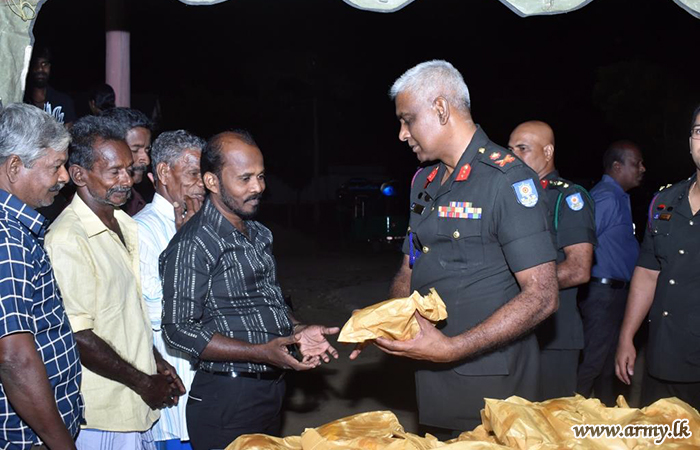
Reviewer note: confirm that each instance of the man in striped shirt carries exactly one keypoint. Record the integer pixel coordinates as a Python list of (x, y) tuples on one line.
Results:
[(222, 303)]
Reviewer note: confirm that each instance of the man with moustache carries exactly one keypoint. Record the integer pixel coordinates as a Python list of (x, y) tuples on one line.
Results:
[(223, 306), (478, 235), (179, 195), (40, 94), (136, 130), (602, 301), (666, 289), (572, 224), (40, 370), (94, 250)]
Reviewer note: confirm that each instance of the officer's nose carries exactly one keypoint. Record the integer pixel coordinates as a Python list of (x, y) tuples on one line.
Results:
[(403, 133)]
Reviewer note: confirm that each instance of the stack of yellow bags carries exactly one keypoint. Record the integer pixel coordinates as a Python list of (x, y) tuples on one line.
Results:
[(513, 423)]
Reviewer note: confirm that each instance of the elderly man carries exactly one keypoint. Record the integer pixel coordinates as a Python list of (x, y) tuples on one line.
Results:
[(39, 367), (572, 224), (136, 132), (666, 287), (603, 300), (477, 230), (94, 249), (179, 195), (223, 306)]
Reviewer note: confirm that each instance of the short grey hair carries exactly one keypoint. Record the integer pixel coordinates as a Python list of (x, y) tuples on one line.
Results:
[(169, 146), (432, 79), (27, 131)]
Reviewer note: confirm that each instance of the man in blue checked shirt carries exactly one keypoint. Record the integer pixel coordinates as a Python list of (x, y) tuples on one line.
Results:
[(40, 371)]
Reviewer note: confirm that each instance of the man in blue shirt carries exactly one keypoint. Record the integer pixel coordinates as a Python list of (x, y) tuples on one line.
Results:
[(40, 372), (602, 303)]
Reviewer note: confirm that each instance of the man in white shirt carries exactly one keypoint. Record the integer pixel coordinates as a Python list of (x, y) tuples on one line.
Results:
[(179, 195)]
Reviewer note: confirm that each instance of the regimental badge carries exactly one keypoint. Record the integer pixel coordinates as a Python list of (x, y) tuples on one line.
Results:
[(506, 160), (526, 193), (575, 201), (459, 210), (494, 156)]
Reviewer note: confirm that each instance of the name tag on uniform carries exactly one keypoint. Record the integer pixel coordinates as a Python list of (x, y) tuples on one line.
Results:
[(416, 208), (459, 210), (665, 216)]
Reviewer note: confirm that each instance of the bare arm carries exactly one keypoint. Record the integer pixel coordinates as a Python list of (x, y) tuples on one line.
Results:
[(576, 268), (536, 301), (401, 284), (639, 302), (28, 390), (100, 357)]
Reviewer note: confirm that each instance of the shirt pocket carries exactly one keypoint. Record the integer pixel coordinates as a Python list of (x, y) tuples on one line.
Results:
[(661, 231), (464, 249)]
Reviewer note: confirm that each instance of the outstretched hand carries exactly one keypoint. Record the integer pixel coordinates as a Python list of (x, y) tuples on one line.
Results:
[(313, 344), (276, 353), (429, 344)]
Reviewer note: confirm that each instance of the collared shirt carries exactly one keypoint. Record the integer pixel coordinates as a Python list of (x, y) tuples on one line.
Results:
[(31, 303), (156, 224), (100, 281), (218, 280), (671, 246), (618, 249), (572, 222)]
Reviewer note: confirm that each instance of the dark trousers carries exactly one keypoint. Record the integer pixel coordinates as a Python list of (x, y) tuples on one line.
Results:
[(654, 389), (558, 373), (602, 310), (221, 408)]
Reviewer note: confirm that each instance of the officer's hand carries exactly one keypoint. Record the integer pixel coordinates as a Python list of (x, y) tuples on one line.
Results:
[(277, 354), (157, 392), (429, 344), (313, 343), (624, 360)]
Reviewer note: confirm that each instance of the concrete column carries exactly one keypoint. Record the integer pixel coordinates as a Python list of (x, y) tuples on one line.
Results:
[(117, 52)]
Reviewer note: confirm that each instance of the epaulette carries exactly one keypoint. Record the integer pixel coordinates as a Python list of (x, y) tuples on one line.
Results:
[(664, 187), (501, 159), (559, 183)]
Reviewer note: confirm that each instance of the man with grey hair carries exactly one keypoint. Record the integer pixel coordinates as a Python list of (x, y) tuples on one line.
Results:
[(40, 372), (478, 234), (179, 195)]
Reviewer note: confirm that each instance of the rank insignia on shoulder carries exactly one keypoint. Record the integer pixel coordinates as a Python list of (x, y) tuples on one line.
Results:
[(665, 216), (575, 201), (526, 193), (494, 156), (506, 160)]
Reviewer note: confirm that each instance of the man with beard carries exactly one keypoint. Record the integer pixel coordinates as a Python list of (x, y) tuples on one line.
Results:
[(573, 231), (179, 195), (43, 96), (39, 366), (136, 130), (94, 251), (666, 286), (602, 301), (223, 306)]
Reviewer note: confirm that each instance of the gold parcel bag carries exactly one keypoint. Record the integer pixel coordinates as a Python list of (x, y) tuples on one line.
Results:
[(393, 318)]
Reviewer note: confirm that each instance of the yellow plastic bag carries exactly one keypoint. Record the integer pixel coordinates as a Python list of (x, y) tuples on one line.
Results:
[(393, 318)]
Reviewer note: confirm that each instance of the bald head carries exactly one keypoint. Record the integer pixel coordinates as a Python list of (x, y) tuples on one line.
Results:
[(533, 142)]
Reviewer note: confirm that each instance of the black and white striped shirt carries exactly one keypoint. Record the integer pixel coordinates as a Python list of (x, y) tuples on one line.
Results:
[(217, 280)]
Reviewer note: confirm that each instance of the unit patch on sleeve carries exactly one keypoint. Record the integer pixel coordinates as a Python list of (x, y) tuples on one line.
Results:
[(575, 201), (526, 193)]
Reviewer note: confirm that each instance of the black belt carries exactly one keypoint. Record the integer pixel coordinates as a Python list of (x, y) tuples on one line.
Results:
[(272, 376), (613, 283)]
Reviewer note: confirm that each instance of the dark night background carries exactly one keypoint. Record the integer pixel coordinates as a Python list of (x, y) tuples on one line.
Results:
[(613, 69)]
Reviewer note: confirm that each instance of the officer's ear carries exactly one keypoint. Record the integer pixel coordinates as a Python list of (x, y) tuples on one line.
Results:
[(211, 182), (548, 152), (442, 108)]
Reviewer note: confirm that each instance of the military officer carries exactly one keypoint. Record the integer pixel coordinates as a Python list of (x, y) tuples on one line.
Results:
[(572, 224), (666, 286), (478, 229)]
